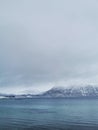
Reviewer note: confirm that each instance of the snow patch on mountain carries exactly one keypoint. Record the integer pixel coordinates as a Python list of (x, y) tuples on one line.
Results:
[(72, 91)]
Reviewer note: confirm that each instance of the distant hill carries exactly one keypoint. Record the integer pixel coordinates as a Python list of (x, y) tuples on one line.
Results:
[(88, 91), (81, 91)]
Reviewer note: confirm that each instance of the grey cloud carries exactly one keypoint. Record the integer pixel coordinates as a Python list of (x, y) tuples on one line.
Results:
[(47, 41)]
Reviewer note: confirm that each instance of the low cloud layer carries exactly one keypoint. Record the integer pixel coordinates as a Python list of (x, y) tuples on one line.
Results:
[(48, 42)]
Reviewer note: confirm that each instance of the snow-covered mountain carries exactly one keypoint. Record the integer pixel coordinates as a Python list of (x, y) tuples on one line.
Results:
[(87, 91), (80, 91)]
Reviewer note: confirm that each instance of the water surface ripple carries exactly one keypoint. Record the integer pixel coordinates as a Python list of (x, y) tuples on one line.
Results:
[(49, 114)]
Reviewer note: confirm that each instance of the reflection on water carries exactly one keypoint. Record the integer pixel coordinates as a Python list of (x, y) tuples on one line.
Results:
[(49, 114)]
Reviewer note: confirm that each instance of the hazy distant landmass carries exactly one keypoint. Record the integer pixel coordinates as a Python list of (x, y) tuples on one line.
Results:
[(89, 91)]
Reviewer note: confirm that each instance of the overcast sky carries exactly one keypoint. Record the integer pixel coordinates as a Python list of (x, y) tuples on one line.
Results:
[(44, 43)]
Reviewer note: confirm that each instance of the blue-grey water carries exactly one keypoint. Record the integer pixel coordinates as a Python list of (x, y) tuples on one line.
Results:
[(49, 114)]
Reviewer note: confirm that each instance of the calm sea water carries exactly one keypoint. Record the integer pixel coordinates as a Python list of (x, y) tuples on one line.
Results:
[(49, 114)]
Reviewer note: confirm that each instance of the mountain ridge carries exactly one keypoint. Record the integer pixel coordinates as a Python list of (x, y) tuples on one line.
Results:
[(73, 91), (61, 92)]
